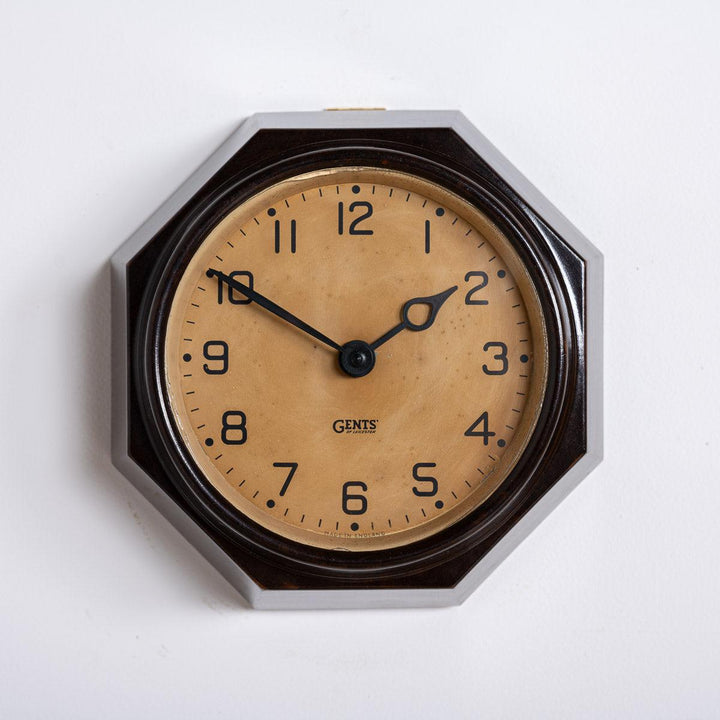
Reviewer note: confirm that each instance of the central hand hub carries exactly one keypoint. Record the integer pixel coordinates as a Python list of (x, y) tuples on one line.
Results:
[(357, 358)]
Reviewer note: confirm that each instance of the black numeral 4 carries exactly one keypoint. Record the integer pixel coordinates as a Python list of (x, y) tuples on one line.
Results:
[(481, 429)]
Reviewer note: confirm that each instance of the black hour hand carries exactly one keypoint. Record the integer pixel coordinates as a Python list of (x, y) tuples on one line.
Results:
[(434, 302)]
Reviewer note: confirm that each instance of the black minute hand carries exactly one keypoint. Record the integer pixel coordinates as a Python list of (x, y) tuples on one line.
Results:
[(272, 307), (434, 301)]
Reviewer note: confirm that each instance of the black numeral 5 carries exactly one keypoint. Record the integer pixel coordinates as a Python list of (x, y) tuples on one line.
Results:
[(430, 487)]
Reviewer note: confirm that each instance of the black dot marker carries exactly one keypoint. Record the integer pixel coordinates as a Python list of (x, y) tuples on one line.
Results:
[(271, 212), (524, 358), (501, 443), (356, 189), (501, 273), (187, 357), (354, 526), (270, 503), (439, 504), (440, 212), (209, 442)]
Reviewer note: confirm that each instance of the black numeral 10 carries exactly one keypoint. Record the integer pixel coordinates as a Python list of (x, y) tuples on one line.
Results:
[(233, 296)]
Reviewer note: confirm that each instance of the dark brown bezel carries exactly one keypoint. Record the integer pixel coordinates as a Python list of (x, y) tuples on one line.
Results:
[(445, 557)]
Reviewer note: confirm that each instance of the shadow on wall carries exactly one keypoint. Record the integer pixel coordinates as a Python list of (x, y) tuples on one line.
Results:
[(165, 544)]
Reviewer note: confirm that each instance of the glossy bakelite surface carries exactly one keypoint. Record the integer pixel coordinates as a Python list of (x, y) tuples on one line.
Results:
[(299, 445)]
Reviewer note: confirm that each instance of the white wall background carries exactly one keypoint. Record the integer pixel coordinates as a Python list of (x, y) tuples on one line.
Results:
[(611, 608)]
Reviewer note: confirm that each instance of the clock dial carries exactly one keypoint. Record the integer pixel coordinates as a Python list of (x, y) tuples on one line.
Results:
[(355, 358)]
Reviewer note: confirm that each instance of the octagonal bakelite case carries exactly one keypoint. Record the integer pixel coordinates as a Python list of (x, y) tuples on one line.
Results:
[(444, 569)]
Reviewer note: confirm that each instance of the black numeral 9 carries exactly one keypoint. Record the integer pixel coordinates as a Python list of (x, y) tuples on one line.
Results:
[(217, 352)]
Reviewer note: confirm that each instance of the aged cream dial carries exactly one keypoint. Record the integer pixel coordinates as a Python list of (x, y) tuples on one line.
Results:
[(269, 349)]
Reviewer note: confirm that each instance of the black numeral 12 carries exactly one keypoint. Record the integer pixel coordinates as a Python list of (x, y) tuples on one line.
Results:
[(354, 229)]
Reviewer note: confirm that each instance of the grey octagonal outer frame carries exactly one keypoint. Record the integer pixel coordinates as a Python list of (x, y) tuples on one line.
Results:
[(256, 596)]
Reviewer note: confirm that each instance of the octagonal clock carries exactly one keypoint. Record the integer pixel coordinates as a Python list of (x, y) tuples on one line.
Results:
[(357, 358)]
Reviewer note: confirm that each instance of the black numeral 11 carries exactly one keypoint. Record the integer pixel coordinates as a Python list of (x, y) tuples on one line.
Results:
[(293, 236)]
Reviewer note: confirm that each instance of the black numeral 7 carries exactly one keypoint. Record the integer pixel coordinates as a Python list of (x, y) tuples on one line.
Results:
[(293, 467)]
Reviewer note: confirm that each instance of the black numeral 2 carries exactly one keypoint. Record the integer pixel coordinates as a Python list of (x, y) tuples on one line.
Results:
[(469, 299)]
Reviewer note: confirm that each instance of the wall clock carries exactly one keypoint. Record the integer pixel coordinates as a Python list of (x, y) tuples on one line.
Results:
[(357, 358)]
